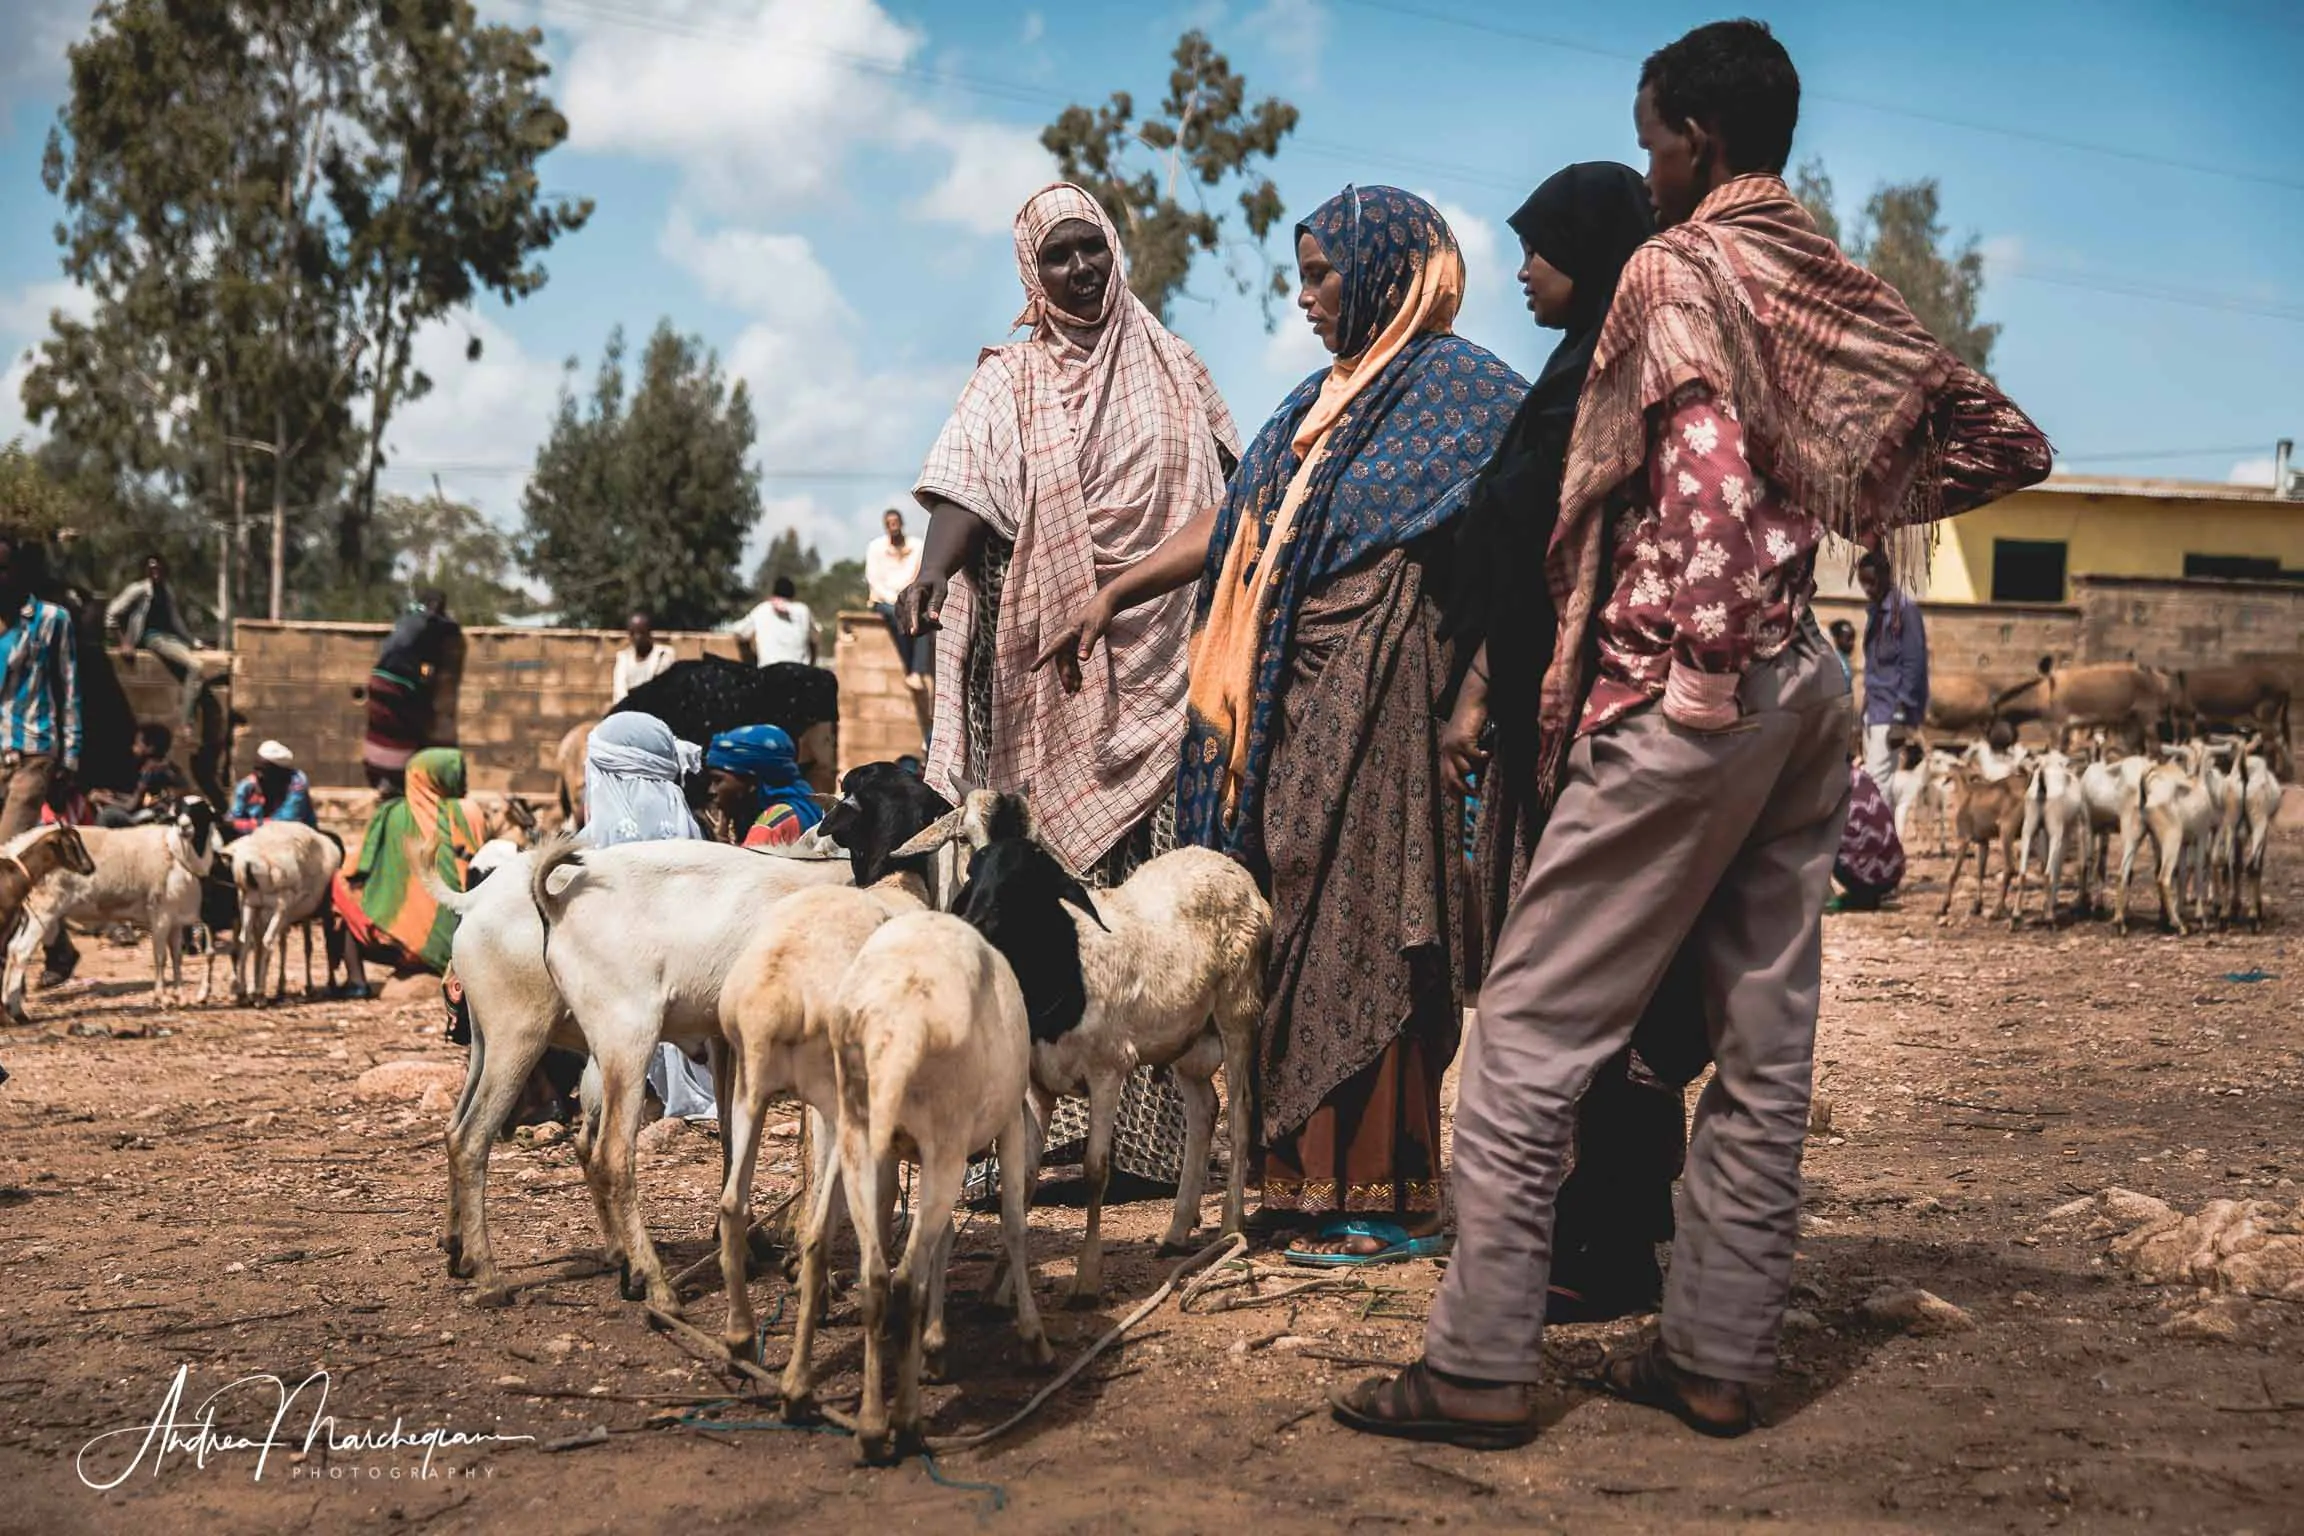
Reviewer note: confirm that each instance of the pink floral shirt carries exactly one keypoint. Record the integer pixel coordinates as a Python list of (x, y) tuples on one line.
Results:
[(1713, 574)]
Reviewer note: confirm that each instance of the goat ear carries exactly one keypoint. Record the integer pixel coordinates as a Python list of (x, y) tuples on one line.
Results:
[(936, 834), (1077, 894)]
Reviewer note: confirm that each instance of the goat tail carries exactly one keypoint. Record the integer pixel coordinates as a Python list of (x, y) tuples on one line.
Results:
[(2007, 696), (423, 857), (558, 851)]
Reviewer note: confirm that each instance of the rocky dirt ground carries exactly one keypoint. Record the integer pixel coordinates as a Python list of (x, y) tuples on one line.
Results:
[(211, 1190)]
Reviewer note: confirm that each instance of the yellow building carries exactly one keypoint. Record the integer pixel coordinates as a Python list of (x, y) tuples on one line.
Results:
[(2026, 548)]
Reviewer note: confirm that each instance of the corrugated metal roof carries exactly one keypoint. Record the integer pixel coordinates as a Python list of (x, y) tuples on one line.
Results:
[(2158, 490)]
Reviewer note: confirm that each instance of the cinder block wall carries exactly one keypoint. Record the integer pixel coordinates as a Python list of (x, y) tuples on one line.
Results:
[(880, 718), (520, 692), (2180, 624)]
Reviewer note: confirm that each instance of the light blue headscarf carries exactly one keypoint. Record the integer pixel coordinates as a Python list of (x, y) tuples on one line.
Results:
[(632, 770)]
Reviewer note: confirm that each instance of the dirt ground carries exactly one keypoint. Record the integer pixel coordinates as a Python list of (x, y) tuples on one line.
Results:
[(203, 1190)]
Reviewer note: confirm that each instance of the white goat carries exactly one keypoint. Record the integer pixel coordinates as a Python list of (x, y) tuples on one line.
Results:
[(932, 1054), (775, 1010), (2056, 812), (2179, 817), (148, 875), (283, 871), (1171, 966), (2260, 807), (1922, 786), (2111, 789), (644, 935)]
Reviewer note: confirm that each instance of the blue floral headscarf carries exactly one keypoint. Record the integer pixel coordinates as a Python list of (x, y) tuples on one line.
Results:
[(1398, 465)]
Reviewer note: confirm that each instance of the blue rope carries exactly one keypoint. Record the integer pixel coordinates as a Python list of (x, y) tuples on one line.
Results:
[(997, 1494)]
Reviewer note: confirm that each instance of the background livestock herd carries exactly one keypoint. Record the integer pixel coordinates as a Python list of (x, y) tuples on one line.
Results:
[(2185, 765)]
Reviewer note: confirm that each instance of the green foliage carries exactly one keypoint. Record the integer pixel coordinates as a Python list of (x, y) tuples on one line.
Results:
[(114, 520), (1902, 238), (267, 200), (1813, 187), (32, 505), (430, 541), (645, 502), (1207, 135)]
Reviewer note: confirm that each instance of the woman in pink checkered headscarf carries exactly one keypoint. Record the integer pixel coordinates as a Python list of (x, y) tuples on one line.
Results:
[(1072, 455)]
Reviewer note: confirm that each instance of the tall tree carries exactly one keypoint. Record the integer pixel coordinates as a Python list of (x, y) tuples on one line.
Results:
[(645, 502), (1206, 136), (1902, 237), (267, 198)]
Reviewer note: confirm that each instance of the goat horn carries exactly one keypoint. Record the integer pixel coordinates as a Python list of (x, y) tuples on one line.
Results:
[(936, 834)]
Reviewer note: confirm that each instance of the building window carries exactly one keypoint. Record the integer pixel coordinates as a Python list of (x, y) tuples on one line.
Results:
[(2236, 568), (2027, 570)]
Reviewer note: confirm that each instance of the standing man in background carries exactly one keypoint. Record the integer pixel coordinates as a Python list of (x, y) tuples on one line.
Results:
[(147, 618), (1895, 667), (780, 629), (891, 562), (39, 696), (641, 661)]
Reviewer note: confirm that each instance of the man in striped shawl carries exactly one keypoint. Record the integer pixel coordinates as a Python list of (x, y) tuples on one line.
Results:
[(1752, 390)]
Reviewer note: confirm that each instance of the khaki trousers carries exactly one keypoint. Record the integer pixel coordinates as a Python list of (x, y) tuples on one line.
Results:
[(24, 781), (1661, 836)]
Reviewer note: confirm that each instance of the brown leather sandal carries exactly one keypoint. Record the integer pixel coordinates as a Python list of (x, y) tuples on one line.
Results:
[(1407, 1407), (1646, 1377)]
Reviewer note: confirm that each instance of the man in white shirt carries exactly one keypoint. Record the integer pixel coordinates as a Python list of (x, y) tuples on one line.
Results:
[(891, 563), (642, 660), (780, 629)]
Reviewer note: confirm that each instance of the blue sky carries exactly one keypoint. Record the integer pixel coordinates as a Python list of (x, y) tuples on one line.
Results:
[(822, 189)]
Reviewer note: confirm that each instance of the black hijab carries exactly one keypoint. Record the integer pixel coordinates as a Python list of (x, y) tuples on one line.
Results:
[(1586, 221)]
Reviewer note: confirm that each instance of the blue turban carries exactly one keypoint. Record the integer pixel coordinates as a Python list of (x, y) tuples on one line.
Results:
[(765, 755)]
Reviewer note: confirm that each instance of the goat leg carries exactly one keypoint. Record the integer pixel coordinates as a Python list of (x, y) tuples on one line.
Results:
[(1104, 1090)]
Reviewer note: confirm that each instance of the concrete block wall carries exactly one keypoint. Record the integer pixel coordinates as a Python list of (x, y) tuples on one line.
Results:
[(880, 718), (1991, 638), (2182, 624), (519, 692)]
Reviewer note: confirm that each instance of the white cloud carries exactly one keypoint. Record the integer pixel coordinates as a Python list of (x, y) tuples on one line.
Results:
[(819, 408), (481, 425), (994, 168), (2256, 471), (33, 37), (24, 323), (774, 277), (1489, 316), (2003, 255), (1035, 28), (1294, 350), (757, 101), (1292, 32), (760, 104)]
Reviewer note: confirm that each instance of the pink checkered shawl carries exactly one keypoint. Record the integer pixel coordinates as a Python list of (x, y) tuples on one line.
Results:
[(1087, 446)]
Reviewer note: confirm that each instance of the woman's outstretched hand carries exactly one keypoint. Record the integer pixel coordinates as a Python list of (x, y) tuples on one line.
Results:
[(1076, 641)]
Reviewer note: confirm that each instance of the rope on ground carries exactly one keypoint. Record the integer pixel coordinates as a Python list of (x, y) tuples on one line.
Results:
[(1237, 1271), (1223, 1250), (712, 1259), (1215, 1251)]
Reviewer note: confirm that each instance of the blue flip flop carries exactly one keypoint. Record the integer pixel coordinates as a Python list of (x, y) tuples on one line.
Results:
[(1398, 1247)]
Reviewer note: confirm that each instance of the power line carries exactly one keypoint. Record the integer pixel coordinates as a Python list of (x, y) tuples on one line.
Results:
[(1970, 125), (613, 15)]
